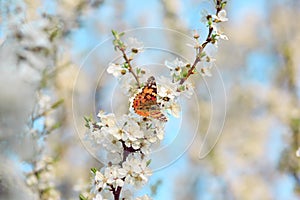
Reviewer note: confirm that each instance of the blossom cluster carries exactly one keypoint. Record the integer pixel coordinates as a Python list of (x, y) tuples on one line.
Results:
[(41, 179), (128, 139), (126, 132), (213, 22), (31, 50)]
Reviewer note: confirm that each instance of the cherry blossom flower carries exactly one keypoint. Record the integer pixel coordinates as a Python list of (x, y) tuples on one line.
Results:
[(116, 70), (135, 170), (99, 182), (114, 177), (175, 66), (205, 71), (98, 197), (134, 44), (221, 17)]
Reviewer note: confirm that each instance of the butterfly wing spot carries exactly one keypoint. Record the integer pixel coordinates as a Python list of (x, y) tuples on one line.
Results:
[(166, 98)]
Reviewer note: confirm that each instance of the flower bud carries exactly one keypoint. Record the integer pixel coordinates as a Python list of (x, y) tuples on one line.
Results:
[(134, 50), (196, 35), (123, 71)]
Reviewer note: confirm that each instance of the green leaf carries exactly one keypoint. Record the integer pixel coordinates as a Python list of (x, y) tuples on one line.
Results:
[(184, 73), (115, 33), (154, 188), (54, 34), (121, 34), (295, 124), (223, 4), (148, 162), (56, 126), (115, 42), (56, 104), (181, 88), (94, 170), (203, 54), (81, 197), (125, 65), (120, 43), (87, 120)]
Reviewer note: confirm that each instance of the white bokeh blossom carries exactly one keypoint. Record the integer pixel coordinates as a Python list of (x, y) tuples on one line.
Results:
[(298, 152)]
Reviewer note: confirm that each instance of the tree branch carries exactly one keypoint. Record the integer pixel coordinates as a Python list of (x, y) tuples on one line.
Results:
[(202, 46), (127, 60)]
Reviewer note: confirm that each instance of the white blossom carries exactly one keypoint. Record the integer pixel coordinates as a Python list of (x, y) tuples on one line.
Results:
[(116, 70), (99, 182), (31, 180), (111, 144), (127, 194), (108, 120), (127, 85), (222, 36), (44, 101), (298, 153), (188, 89), (98, 197), (135, 170), (131, 128), (114, 177), (42, 178), (175, 66), (205, 71), (135, 43), (221, 17)]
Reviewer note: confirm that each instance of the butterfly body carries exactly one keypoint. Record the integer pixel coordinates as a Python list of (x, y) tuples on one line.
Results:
[(145, 103)]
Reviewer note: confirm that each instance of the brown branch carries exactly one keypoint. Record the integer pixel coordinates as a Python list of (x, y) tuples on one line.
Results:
[(117, 193), (202, 46), (191, 71), (126, 152), (127, 60)]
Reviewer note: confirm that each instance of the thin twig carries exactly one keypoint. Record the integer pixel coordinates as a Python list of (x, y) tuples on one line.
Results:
[(202, 46), (127, 60)]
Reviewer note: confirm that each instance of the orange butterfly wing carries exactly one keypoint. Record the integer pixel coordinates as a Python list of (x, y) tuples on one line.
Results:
[(145, 102)]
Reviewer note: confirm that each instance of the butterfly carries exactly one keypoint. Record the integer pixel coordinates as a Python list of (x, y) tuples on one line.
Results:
[(145, 103)]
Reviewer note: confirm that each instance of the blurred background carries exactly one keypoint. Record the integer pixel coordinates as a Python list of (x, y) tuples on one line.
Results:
[(52, 73)]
